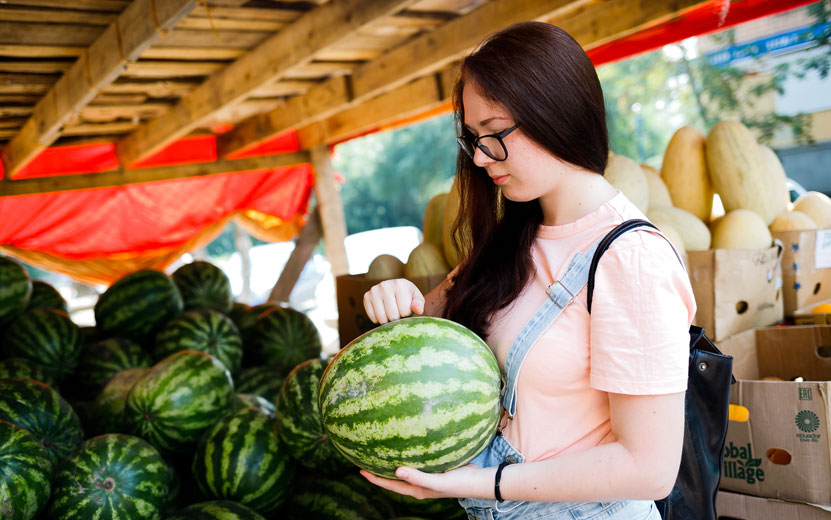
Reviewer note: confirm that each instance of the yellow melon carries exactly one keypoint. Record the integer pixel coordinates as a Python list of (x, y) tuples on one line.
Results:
[(684, 171), (693, 231), (425, 259), (792, 221), (741, 229), (658, 192), (385, 267), (816, 205), (777, 177), (434, 219), (624, 174), (451, 208)]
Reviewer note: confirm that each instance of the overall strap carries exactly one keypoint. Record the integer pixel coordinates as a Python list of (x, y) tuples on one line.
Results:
[(560, 293)]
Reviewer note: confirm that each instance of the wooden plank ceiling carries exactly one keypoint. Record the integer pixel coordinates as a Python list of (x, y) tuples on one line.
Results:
[(143, 73)]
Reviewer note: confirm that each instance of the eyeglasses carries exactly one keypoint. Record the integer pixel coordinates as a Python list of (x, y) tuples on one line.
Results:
[(491, 144)]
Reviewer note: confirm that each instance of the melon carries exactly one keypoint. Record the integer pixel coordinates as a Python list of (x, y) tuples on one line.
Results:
[(425, 259), (434, 219), (684, 171), (741, 229), (778, 177), (385, 267), (693, 231), (658, 192), (624, 174), (792, 221), (816, 205), (451, 208)]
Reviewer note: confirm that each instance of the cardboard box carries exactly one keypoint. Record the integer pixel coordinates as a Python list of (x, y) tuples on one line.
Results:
[(745, 507), (350, 289), (782, 450), (736, 290), (806, 268)]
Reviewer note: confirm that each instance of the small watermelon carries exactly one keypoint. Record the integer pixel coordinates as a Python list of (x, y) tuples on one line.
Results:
[(216, 510), (284, 338), (264, 381), (46, 296), (205, 330), (49, 338), (108, 407), (25, 473), (299, 418), (247, 320), (176, 400), (242, 458), (38, 408), (15, 289), (110, 476), (420, 392), (20, 367), (136, 306), (204, 285), (104, 359)]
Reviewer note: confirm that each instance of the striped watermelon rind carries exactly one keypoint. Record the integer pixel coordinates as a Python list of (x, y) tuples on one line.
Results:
[(15, 289), (242, 458), (49, 338), (350, 497), (284, 338), (264, 381), (205, 330), (36, 407), (110, 476), (25, 473), (21, 367), (202, 284), (46, 296), (103, 359), (298, 415), (216, 510), (137, 305), (421, 392), (108, 407), (177, 399)]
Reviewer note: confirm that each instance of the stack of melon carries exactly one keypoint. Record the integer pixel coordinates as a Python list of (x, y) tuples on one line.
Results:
[(179, 404)]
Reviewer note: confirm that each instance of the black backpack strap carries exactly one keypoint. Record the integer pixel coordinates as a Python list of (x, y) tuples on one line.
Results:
[(604, 245)]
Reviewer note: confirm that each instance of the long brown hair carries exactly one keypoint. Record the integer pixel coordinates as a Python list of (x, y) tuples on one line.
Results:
[(544, 79)]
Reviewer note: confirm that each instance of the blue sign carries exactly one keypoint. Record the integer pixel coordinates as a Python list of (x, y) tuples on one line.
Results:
[(796, 39)]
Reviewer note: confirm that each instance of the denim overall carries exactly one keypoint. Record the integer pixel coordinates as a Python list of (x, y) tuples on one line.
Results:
[(560, 294)]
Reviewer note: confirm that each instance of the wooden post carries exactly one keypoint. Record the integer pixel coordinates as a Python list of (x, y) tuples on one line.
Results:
[(303, 249), (329, 204)]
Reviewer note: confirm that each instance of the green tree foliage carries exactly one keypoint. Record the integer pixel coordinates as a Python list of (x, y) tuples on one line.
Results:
[(389, 177)]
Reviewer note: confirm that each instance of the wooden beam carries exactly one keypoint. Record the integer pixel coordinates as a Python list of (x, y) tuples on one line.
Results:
[(449, 42), (123, 41), (304, 247), (295, 45), (332, 219), (85, 181), (112, 6), (422, 55)]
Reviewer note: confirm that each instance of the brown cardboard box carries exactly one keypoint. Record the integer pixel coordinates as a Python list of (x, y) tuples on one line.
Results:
[(744, 507), (735, 290), (783, 449), (350, 289), (806, 268)]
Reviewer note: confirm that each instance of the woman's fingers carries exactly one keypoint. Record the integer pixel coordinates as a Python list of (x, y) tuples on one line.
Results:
[(392, 300)]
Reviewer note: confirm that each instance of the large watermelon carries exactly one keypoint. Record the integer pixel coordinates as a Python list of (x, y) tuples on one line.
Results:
[(110, 476), (104, 359), (216, 510), (20, 367), (15, 289), (205, 330), (242, 458), (49, 338), (108, 407), (38, 408), (25, 473), (178, 399), (299, 417), (204, 285), (264, 381), (246, 321), (46, 296), (420, 392), (136, 306), (350, 497), (284, 338)]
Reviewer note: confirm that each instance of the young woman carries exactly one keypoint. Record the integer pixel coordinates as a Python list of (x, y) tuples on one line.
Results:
[(596, 428)]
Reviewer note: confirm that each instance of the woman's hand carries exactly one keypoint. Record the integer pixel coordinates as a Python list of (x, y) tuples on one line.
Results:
[(391, 300), (469, 481)]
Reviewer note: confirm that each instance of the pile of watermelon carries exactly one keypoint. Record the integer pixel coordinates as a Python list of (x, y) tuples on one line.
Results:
[(179, 404)]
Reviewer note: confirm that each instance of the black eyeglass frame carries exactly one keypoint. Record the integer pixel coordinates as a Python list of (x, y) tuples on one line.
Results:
[(463, 144)]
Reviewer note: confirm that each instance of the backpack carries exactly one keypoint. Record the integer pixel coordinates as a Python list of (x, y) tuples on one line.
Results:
[(706, 406)]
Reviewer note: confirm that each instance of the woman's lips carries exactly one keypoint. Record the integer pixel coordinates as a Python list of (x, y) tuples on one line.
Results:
[(500, 179)]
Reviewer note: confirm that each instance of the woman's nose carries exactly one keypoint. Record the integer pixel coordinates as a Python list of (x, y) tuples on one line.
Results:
[(480, 158)]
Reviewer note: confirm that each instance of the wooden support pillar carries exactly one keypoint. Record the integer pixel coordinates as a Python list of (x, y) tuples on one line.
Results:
[(329, 204), (303, 249)]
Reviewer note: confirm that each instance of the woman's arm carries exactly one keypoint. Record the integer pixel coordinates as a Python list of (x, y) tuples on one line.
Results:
[(642, 463)]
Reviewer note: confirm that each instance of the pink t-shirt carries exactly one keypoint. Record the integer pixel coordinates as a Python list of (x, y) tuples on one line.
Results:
[(636, 340)]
